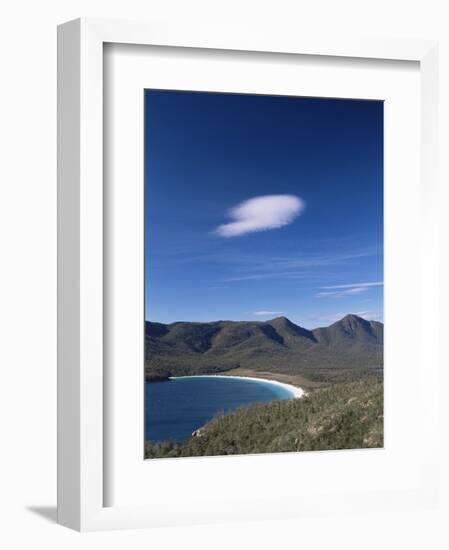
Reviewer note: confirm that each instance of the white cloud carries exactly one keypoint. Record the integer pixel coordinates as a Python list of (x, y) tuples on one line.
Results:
[(267, 313), (260, 214), (338, 291)]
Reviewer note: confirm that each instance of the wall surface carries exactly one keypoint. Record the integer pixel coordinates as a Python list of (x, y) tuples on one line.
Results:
[(28, 270)]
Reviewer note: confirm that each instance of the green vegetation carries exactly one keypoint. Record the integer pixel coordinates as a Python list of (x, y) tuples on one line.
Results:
[(348, 350), (341, 416)]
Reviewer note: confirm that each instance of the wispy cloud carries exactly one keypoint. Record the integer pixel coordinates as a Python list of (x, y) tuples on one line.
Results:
[(268, 275), (267, 313), (339, 291), (289, 267), (296, 264), (260, 214), (358, 285)]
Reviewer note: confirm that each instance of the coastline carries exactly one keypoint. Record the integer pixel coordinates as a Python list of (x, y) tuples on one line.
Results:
[(295, 391)]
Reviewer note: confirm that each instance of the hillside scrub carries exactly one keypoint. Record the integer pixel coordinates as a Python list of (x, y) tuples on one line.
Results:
[(342, 416)]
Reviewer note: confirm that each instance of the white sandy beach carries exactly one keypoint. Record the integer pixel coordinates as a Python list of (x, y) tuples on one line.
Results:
[(296, 392)]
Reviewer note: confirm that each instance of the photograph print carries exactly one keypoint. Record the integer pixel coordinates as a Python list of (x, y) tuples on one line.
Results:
[(263, 274)]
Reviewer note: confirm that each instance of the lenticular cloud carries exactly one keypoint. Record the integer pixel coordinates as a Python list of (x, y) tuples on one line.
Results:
[(261, 214)]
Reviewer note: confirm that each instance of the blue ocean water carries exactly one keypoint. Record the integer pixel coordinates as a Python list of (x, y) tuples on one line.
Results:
[(175, 408)]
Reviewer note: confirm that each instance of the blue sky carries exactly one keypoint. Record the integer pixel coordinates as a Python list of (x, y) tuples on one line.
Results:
[(261, 206)]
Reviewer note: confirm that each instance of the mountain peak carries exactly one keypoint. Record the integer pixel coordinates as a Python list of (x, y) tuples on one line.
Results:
[(352, 317), (351, 330), (352, 321), (281, 319), (287, 327)]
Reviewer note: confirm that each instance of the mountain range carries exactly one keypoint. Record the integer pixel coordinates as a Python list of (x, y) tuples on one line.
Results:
[(349, 349)]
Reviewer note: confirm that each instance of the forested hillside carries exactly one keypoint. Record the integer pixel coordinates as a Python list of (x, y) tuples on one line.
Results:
[(349, 349)]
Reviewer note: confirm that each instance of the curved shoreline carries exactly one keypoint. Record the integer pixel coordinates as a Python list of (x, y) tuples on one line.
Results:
[(295, 391)]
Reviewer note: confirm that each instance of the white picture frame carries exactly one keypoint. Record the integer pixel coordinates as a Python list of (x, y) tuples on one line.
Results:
[(81, 405)]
